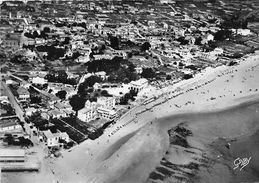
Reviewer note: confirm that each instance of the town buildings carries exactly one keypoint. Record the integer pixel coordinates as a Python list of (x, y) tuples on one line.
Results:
[(139, 84), (9, 125)]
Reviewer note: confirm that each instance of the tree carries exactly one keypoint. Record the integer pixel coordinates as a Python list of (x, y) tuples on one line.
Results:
[(105, 93), (145, 46), (77, 103), (222, 35), (114, 42), (46, 29), (168, 77), (37, 120), (35, 99), (61, 94), (24, 142), (35, 34), (198, 41), (67, 40), (9, 139), (148, 73), (187, 76)]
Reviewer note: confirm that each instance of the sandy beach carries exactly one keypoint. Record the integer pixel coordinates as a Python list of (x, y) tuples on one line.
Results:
[(134, 148)]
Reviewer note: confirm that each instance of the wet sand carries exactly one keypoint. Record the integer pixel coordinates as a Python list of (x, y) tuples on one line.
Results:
[(217, 140)]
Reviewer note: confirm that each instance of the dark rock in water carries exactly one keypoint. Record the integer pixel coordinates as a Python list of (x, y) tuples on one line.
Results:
[(177, 136), (181, 130), (178, 140), (156, 176), (164, 171)]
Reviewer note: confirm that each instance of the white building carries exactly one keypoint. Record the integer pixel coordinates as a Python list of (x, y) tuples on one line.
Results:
[(89, 112), (243, 32), (139, 84), (53, 139), (39, 80), (106, 102), (30, 111), (106, 113), (23, 94), (57, 114), (83, 59), (9, 126)]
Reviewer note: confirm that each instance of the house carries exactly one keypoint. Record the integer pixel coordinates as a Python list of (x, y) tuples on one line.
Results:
[(57, 114), (53, 139), (23, 94), (45, 115), (83, 59), (243, 32), (207, 38), (3, 98), (106, 102), (105, 113), (87, 114), (12, 41), (139, 84), (101, 74), (151, 24), (64, 107), (9, 82), (139, 70), (39, 80), (30, 111), (97, 86), (9, 125)]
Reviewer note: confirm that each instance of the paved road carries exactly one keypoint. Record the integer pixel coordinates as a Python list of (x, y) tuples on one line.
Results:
[(18, 110), (49, 95)]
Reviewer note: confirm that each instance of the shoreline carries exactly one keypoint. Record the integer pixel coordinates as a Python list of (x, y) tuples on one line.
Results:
[(90, 164), (161, 108)]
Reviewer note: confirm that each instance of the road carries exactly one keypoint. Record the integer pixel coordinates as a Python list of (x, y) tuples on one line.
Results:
[(18, 110), (158, 57), (48, 95)]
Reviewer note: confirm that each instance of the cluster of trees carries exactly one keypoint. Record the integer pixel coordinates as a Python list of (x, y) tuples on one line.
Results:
[(182, 40), (128, 96), (119, 70), (61, 94), (77, 102), (35, 99), (60, 77), (123, 74), (187, 76), (53, 53), (11, 140), (37, 120), (86, 87), (8, 108), (108, 66), (18, 59), (223, 34), (145, 46), (36, 34), (148, 73), (115, 42)]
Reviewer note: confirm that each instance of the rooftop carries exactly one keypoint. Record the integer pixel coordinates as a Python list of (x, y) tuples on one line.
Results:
[(12, 153)]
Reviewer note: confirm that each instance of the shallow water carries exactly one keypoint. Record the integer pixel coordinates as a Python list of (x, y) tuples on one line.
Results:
[(238, 123)]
